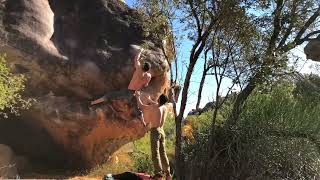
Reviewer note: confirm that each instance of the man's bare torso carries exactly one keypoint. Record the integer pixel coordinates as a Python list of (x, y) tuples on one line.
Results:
[(155, 116)]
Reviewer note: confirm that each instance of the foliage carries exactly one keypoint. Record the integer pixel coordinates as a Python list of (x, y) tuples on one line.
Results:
[(285, 131), (228, 48), (281, 26), (160, 14), (275, 138), (142, 155), (307, 89), (196, 133), (262, 34), (11, 87), (156, 13)]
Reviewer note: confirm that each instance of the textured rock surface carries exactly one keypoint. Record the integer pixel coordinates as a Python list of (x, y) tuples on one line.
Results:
[(73, 52), (312, 50), (8, 167)]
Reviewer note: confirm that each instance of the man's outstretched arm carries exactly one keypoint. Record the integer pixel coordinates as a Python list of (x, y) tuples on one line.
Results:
[(148, 99), (140, 103)]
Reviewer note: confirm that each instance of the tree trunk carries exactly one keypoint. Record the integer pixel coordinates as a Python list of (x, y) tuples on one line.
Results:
[(241, 98), (203, 78), (179, 118)]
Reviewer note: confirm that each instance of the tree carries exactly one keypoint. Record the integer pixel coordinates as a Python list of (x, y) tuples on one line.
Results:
[(198, 14), (161, 15), (206, 67), (200, 19), (231, 37), (202, 16), (226, 58), (283, 26), (253, 48)]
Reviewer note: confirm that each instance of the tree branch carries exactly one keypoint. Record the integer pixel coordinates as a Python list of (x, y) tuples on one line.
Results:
[(307, 37), (312, 18), (289, 29), (298, 40), (194, 13), (276, 26)]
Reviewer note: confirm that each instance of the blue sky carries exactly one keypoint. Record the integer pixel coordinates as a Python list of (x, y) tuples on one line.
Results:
[(183, 58), (303, 66)]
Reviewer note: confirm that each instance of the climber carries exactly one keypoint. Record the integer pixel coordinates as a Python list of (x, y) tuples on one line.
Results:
[(140, 79), (141, 76), (155, 116)]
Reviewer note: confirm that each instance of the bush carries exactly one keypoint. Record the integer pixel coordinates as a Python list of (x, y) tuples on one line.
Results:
[(196, 134), (307, 89), (284, 131), (11, 87), (276, 138), (142, 155)]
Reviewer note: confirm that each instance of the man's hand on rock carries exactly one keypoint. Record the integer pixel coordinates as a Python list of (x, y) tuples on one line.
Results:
[(137, 93)]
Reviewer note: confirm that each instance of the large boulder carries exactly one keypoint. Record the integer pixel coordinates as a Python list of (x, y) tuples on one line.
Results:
[(312, 50), (72, 52), (8, 166)]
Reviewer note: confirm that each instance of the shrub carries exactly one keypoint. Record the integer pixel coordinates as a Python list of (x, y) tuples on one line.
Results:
[(276, 138), (11, 87), (142, 155)]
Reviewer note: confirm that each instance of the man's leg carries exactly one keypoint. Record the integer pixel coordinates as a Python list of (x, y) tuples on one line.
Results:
[(113, 95), (143, 121), (154, 141), (138, 111), (98, 101), (163, 154)]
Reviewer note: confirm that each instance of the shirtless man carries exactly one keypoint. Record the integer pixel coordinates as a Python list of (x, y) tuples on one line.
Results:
[(140, 79), (155, 114), (141, 76)]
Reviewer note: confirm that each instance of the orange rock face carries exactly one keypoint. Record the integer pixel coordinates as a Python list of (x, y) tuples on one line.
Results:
[(73, 52)]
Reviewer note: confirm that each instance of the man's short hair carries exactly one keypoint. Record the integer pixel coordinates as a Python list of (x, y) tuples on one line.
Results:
[(146, 66), (163, 99)]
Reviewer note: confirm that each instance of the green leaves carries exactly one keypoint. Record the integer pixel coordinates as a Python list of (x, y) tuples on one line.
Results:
[(277, 137), (307, 89), (11, 87)]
